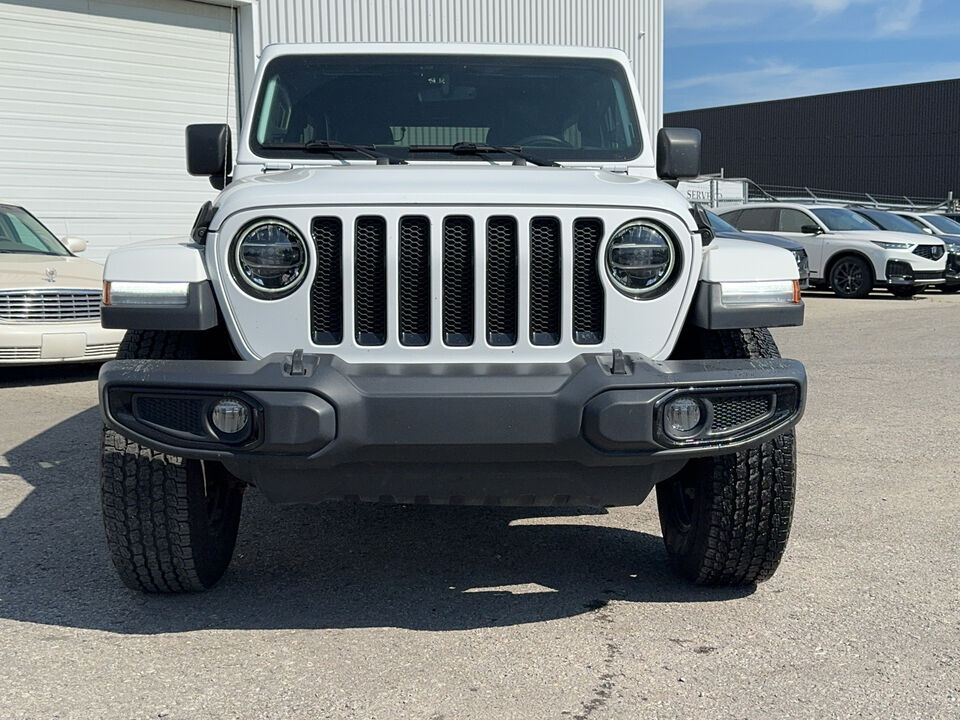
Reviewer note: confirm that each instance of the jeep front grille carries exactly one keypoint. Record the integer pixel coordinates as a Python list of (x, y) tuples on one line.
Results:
[(463, 242), (48, 306)]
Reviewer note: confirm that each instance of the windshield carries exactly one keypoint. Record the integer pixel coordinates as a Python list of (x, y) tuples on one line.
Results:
[(889, 221), (943, 224), (719, 224), (842, 219), (21, 232), (577, 109)]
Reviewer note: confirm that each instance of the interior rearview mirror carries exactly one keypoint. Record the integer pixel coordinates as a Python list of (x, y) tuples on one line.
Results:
[(210, 152), (678, 153)]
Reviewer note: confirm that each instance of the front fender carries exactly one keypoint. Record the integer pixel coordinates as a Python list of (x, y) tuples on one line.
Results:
[(158, 285)]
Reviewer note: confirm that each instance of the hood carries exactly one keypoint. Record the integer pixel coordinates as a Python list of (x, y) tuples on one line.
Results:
[(25, 271), (777, 240), (883, 236), (458, 185)]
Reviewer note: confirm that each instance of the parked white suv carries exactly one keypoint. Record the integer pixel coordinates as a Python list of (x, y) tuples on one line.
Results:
[(846, 251), (448, 274)]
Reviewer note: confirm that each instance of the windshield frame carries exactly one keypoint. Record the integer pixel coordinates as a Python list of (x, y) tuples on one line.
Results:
[(633, 118), (39, 230)]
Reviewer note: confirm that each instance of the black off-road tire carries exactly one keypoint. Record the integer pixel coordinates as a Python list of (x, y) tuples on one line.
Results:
[(171, 523), (949, 289), (851, 277), (726, 519)]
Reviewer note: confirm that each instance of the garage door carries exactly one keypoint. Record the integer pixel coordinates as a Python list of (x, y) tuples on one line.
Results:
[(94, 96)]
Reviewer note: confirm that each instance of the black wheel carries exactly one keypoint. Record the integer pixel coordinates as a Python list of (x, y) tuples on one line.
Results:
[(171, 523), (906, 292), (949, 289), (851, 277), (726, 519)]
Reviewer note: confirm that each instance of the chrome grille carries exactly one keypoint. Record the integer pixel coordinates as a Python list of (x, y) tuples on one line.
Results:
[(43, 306)]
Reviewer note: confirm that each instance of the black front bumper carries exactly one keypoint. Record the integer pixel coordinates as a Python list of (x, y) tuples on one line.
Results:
[(470, 433)]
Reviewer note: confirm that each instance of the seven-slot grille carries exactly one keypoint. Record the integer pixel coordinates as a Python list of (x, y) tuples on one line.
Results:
[(42, 306), (463, 242)]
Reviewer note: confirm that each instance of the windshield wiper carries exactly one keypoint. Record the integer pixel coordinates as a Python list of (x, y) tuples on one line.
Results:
[(482, 149), (334, 147)]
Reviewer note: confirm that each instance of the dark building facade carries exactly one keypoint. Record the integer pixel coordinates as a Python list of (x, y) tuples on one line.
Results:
[(899, 140)]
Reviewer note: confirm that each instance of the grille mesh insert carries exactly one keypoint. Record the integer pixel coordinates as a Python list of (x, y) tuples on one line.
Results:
[(458, 283), (326, 293), (545, 292), (371, 281), (501, 281), (735, 411), (587, 291), (181, 414), (414, 281)]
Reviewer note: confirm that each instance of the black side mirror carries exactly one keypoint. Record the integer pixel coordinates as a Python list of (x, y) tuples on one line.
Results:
[(811, 229), (210, 152), (678, 153)]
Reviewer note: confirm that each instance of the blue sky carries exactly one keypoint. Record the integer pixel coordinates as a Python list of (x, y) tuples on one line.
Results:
[(722, 52)]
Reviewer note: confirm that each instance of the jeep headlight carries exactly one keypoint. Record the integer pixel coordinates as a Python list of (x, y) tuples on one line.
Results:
[(269, 258), (641, 259)]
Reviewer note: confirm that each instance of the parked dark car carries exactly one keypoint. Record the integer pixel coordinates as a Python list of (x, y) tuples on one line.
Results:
[(922, 225), (724, 229)]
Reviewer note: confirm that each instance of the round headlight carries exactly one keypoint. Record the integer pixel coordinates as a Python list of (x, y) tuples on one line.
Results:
[(641, 259), (269, 258)]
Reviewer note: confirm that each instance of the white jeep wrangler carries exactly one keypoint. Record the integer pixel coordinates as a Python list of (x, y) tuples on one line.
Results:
[(447, 274)]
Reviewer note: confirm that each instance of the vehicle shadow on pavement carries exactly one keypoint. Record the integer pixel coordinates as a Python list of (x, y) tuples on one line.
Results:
[(17, 376), (330, 566)]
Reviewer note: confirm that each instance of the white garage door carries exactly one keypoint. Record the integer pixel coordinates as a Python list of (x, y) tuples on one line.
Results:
[(94, 97)]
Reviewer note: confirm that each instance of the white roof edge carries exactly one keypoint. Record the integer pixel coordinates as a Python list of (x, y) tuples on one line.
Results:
[(433, 48)]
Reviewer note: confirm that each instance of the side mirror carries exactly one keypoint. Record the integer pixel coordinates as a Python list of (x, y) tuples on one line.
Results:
[(210, 152), (75, 244), (928, 231), (678, 153), (811, 229)]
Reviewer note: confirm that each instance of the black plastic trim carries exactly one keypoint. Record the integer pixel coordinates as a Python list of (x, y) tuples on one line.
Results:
[(200, 313), (709, 312)]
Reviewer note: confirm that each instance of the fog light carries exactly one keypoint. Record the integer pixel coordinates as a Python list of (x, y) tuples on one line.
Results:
[(681, 417), (230, 416)]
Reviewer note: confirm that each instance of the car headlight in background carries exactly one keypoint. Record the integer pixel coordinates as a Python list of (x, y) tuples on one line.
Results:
[(269, 258), (893, 245), (641, 260)]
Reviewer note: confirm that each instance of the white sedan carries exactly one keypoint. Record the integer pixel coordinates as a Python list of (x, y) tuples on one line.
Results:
[(49, 298)]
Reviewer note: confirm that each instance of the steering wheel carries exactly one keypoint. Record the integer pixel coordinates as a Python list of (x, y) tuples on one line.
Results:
[(543, 141)]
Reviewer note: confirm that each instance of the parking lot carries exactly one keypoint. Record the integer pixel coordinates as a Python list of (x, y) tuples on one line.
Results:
[(394, 612)]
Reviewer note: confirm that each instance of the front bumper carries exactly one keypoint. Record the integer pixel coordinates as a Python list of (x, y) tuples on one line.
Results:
[(41, 343), (589, 430)]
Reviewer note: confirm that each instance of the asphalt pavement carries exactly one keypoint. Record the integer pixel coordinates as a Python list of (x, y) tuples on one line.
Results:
[(429, 612)]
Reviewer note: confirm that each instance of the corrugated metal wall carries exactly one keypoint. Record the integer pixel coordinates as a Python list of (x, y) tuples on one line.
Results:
[(900, 140), (634, 26)]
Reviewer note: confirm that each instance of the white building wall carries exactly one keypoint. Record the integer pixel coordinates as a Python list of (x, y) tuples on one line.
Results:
[(634, 26)]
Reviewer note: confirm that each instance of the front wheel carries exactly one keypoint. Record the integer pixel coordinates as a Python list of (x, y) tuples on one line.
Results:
[(726, 519), (171, 523), (949, 289), (851, 277)]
